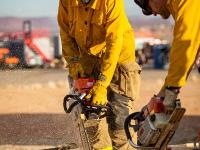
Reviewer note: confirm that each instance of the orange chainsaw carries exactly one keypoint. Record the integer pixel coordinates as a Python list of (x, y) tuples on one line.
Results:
[(82, 110), (153, 125)]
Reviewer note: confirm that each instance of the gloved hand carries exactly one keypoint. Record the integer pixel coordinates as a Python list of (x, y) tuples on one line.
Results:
[(169, 100), (98, 94), (170, 95), (75, 70)]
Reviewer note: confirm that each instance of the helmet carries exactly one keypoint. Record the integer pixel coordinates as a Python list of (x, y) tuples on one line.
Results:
[(144, 5), (85, 1)]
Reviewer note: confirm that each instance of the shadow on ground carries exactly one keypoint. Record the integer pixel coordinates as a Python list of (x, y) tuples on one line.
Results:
[(36, 129), (56, 129), (187, 131)]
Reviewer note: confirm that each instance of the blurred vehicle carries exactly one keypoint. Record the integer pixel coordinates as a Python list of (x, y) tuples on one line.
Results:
[(12, 54), (153, 55), (140, 57), (161, 56), (29, 48)]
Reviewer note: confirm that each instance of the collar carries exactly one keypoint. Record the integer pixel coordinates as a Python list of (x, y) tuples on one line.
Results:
[(94, 4)]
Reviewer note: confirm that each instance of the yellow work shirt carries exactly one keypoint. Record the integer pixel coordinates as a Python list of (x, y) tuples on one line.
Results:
[(186, 40), (99, 28)]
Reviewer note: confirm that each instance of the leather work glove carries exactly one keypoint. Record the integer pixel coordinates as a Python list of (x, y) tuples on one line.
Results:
[(98, 94), (170, 96), (75, 70)]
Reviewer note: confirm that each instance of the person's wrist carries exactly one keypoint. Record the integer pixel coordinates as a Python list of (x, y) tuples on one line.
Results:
[(100, 84), (102, 81), (176, 90), (161, 93), (73, 60)]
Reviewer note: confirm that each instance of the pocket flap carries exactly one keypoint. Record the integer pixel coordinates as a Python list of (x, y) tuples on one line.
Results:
[(131, 66)]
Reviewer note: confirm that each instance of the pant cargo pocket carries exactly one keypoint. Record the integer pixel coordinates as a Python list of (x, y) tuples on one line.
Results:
[(130, 79)]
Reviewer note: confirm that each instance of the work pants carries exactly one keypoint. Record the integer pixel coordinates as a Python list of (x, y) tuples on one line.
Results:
[(108, 133)]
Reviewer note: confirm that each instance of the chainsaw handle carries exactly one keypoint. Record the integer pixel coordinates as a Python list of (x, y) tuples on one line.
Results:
[(126, 128), (127, 124), (78, 99), (67, 98)]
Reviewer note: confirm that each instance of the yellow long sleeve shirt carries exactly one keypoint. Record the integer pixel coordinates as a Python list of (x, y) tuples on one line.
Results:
[(99, 28), (186, 40)]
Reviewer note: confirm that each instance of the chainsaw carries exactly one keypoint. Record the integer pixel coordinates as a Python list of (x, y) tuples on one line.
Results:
[(153, 126), (82, 110)]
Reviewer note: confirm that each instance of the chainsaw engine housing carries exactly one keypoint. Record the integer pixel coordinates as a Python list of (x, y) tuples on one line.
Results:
[(155, 130)]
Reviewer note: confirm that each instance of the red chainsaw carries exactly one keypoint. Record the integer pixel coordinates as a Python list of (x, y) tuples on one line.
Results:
[(82, 110), (153, 125)]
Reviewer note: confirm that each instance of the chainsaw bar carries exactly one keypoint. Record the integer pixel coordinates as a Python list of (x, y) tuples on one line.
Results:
[(169, 131), (73, 106)]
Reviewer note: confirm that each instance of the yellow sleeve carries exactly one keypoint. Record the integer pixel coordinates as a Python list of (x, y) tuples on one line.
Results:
[(114, 39), (69, 46), (185, 43)]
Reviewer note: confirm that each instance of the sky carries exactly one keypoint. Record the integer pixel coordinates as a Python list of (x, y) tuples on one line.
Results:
[(44, 8)]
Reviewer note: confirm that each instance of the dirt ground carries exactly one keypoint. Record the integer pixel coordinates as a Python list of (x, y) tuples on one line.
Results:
[(32, 116)]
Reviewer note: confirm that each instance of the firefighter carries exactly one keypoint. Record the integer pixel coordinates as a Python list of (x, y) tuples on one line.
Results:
[(98, 42), (185, 45)]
